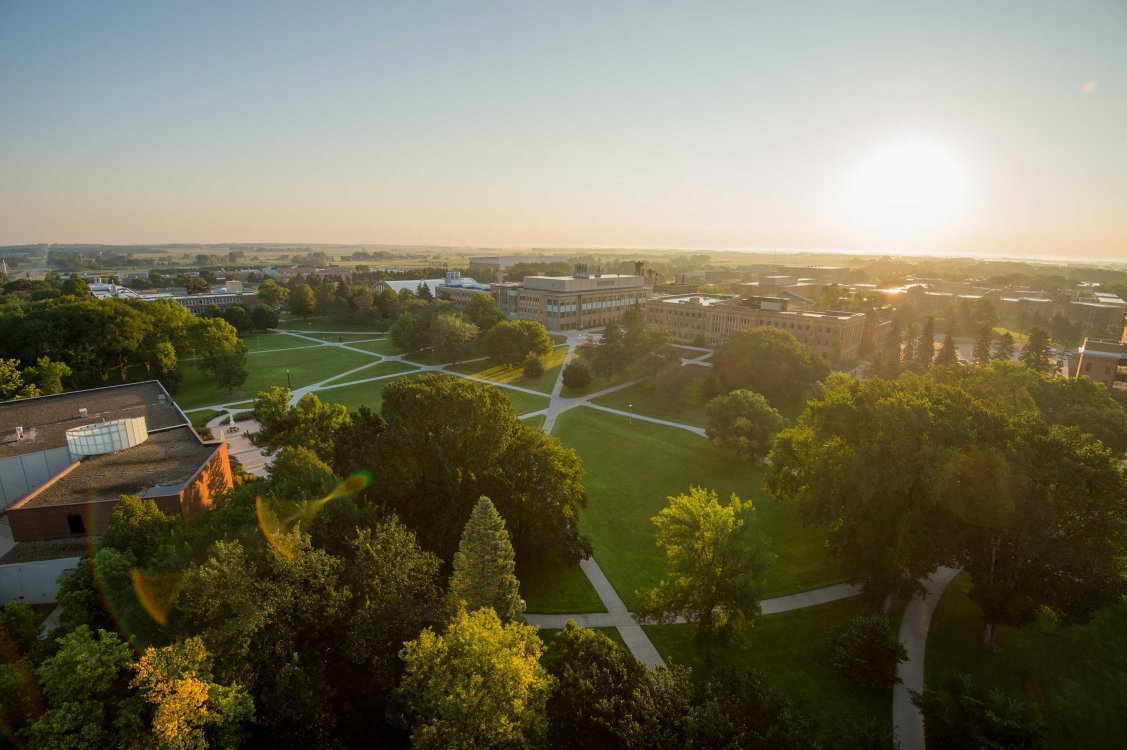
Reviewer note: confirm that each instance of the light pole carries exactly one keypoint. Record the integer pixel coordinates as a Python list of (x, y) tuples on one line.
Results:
[(289, 383), (631, 408)]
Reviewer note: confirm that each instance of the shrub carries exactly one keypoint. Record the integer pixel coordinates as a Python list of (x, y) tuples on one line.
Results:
[(960, 714), (577, 375), (533, 366), (866, 651)]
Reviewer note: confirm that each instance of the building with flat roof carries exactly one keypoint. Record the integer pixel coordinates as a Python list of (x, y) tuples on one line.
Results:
[(411, 285), (461, 289), (710, 319), (66, 459), (566, 303), (1105, 362)]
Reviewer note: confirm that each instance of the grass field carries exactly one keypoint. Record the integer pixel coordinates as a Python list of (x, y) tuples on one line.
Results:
[(323, 324), (537, 421), (306, 366), (259, 342), (378, 368), (371, 394), (383, 346), (551, 588), (201, 418), (1072, 678), (629, 485), (553, 363), (689, 409), (345, 338), (793, 651)]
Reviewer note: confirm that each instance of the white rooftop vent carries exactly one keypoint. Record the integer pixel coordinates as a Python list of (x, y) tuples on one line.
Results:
[(106, 437), (82, 413)]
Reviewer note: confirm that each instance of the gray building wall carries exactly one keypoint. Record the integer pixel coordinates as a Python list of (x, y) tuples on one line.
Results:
[(19, 475)]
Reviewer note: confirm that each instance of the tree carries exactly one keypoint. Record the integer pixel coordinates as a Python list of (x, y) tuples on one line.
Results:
[(484, 565), (511, 342), (576, 375), (164, 365), (596, 681), (271, 294), (867, 652), (960, 715), (19, 627), (239, 317), (715, 566), (533, 367), (47, 376), (483, 312), (886, 362), (948, 355), (925, 349), (138, 527), (1004, 348), (479, 684), (264, 317), (219, 351), (1049, 530), (12, 384), (1036, 354), (981, 354), (771, 362), (231, 371), (310, 423), (423, 292), (302, 301), (743, 423), (196, 285), (453, 337), (411, 332), (298, 474)]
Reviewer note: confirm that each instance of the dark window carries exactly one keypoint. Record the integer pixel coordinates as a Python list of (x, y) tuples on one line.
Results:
[(76, 524)]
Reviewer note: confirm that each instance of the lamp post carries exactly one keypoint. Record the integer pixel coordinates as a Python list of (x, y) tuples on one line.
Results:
[(289, 383), (631, 408)]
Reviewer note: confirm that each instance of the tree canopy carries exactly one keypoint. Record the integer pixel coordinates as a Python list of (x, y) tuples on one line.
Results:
[(771, 362)]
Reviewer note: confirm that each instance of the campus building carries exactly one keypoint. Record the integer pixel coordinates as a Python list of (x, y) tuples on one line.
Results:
[(565, 303), (710, 319), (461, 289), (1105, 362)]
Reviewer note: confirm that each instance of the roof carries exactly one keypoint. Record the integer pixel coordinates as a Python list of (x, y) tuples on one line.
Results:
[(166, 460), (46, 419), (413, 284), (52, 549)]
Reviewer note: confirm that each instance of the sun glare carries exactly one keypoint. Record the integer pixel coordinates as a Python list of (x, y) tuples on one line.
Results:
[(910, 189)]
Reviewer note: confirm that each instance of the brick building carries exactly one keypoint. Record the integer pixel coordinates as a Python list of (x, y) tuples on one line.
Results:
[(1105, 362), (566, 303)]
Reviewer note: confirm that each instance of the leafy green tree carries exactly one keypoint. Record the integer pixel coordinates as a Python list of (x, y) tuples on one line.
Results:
[(302, 301), (164, 364), (715, 566), (47, 376), (195, 285), (981, 353), (141, 529), (771, 362), (576, 375), (960, 715), (270, 293), (264, 317), (411, 332), (478, 684), (298, 474), (310, 423), (596, 681), (512, 341), (453, 337), (948, 355), (219, 351), (12, 384), (19, 627), (743, 423), (1037, 354), (1081, 403), (867, 652), (1004, 348), (483, 312), (484, 564), (533, 367), (886, 361), (239, 317), (231, 370)]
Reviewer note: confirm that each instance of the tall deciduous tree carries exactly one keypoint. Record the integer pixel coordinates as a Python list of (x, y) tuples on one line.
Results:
[(715, 562), (219, 350), (478, 684), (310, 423), (483, 312), (453, 337), (411, 332), (743, 423), (484, 564), (510, 342), (302, 301), (771, 362)]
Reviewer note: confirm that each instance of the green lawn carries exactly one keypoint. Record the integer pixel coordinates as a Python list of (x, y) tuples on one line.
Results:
[(345, 338), (628, 485), (371, 394), (323, 324), (379, 347), (378, 368), (1072, 678), (553, 363), (537, 421), (552, 588), (306, 366), (793, 651), (201, 418), (259, 342), (689, 409)]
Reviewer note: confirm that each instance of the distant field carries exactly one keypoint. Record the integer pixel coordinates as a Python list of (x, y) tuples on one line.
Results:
[(306, 366), (630, 484), (1073, 678), (792, 650)]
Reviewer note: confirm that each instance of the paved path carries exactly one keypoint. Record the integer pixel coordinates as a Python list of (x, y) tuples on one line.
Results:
[(239, 446), (643, 418), (906, 718)]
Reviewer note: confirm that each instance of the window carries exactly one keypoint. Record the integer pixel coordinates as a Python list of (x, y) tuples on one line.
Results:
[(74, 521)]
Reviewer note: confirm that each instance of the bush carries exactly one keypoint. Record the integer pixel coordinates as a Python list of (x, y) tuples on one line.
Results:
[(533, 366), (866, 651), (577, 375), (960, 714)]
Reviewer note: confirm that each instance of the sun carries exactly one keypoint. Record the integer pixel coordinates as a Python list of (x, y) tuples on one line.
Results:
[(913, 189)]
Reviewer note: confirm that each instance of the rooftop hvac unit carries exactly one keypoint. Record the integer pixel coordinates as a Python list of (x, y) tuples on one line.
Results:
[(106, 437)]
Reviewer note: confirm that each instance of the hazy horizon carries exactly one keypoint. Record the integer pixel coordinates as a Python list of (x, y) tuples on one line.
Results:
[(991, 132)]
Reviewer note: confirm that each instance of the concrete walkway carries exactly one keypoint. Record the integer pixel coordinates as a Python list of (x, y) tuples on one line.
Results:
[(906, 718), (632, 634), (239, 446), (642, 418)]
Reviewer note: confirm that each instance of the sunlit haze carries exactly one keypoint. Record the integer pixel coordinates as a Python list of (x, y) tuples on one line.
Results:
[(970, 128)]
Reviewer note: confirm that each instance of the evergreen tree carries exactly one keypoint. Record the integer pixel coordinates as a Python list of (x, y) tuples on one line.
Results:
[(1004, 348), (1036, 353), (925, 352), (484, 564), (887, 361), (981, 354), (947, 355)]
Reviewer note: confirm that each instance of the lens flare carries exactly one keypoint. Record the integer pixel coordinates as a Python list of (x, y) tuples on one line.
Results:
[(278, 518), (156, 592)]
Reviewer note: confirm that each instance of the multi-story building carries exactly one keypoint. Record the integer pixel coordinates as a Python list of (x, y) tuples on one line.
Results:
[(1105, 362), (565, 303), (710, 319), (461, 289)]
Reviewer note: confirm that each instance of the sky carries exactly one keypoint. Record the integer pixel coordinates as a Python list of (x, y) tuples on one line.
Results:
[(996, 128)]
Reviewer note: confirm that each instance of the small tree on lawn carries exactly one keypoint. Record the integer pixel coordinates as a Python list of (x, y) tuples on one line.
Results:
[(743, 423), (484, 564), (577, 375), (533, 366), (715, 563), (867, 651)]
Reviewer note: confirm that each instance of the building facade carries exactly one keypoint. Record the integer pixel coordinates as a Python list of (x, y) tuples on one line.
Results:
[(1105, 362), (710, 319), (567, 303)]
